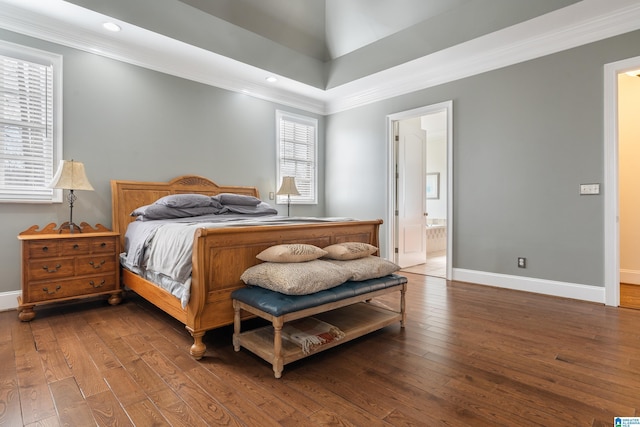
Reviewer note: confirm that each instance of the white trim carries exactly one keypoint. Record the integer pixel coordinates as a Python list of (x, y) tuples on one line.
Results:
[(70, 25), (9, 300), (631, 277), (611, 197), (610, 184), (391, 176), (528, 284)]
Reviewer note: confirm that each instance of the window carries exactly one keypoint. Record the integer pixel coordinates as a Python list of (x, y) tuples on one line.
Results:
[(297, 154), (30, 141)]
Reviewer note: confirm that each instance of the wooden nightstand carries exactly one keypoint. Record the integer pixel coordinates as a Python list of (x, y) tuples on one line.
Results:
[(62, 266)]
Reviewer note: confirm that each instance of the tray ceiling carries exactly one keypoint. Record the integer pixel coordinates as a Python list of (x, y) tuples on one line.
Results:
[(327, 55)]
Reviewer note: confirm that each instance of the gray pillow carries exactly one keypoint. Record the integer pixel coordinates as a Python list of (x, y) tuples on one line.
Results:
[(298, 278), (155, 212), (236, 199), (185, 201), (261, 208), (369, 267)]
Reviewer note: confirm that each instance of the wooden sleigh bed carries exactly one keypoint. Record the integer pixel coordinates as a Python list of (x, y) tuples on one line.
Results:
[(220, 255)]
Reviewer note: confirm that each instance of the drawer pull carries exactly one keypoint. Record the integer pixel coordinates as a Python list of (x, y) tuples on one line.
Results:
[(51, 292), (103, 244), (54, 270), (45, 249), (99, 285), (76, 246), (96, 266)]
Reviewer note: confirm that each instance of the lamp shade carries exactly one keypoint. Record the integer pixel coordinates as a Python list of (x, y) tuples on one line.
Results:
[(288, 187), (70, 176)]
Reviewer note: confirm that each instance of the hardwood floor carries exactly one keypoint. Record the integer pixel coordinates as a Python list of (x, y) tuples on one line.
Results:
[(435, 265), (629, 295), (469, 356)]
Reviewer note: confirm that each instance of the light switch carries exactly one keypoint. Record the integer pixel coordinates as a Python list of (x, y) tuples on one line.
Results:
[(589, 189)]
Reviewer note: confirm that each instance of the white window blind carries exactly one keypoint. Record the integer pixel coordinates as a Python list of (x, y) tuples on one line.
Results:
[(27, 148), (297, 154)]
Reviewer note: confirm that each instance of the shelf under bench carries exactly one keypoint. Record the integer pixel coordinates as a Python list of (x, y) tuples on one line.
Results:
[(355, 316)]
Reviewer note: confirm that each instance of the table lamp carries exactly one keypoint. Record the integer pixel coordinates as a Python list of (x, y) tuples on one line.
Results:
[(70, 176), (288, 188)]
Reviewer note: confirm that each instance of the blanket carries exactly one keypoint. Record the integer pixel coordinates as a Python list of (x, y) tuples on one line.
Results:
[(161, 251), (310, 333)]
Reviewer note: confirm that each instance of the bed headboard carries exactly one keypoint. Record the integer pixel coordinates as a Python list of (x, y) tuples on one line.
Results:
[(129, 195)]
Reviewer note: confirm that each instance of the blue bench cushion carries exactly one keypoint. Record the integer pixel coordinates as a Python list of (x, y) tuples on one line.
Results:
[(277, 304)]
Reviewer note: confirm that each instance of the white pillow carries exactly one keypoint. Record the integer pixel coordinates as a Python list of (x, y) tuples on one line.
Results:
[(369, 267), (296, 278), (291, 252), (349, 250)]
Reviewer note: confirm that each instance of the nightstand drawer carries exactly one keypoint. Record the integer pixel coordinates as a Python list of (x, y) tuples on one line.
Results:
[(50, 269), (107, 245), (74, 247), (43, 248), (95, 264), (70, 288)]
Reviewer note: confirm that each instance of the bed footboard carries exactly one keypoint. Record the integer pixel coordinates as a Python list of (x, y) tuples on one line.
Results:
[(221, 255)]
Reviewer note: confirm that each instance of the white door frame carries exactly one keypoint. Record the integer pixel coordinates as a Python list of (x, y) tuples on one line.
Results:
[(611, 188), (391, 174)]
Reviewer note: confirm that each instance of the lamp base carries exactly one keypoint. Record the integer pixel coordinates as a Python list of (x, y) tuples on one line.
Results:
[(70, 226)]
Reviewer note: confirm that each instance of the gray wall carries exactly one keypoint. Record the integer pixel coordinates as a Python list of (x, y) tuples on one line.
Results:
[(525, 137), (126, 122)]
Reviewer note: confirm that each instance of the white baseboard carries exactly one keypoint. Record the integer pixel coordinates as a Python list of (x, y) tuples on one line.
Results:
[(9, 300), (528, 284), (631, 277)]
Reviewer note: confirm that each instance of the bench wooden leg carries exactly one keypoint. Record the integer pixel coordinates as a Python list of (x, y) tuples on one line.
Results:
[(277, 347), (236, 325), (403, 310)]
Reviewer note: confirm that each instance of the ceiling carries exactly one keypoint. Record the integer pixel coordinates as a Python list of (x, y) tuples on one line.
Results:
[(326, 29), (327, 55)]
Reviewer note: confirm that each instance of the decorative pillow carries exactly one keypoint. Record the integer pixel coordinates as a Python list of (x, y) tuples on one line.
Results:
[(292, 252), (349, 250), (369, 267), (296, 278), (236, 199), (185, 201), (155, 212)]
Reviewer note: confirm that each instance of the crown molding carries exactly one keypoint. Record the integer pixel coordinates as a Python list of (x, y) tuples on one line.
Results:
[(69, 25), (564, 29)]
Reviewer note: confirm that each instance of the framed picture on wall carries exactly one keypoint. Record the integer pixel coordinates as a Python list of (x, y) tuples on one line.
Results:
[(433, 185)]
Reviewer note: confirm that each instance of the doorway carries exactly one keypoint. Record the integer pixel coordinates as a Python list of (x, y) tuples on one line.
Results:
[(619, 264), (420, 196), (629, 197)]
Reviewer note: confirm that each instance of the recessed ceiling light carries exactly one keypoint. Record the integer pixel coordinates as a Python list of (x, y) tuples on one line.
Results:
[(271, 79), (111, 26)]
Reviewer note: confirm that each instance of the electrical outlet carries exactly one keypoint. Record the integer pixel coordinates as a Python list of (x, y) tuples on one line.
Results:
[(522, 262)]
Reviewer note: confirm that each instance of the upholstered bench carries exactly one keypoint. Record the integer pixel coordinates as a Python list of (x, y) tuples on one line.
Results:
[(348, 307)]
